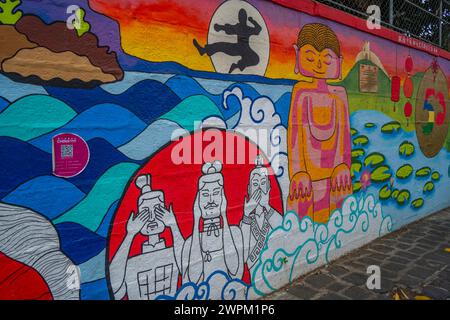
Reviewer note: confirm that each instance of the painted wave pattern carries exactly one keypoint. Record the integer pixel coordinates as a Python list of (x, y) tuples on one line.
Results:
[(313, 244), (122, 132), (218, 286)]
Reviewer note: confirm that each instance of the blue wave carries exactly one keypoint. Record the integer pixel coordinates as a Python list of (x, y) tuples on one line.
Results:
[(20, 162), (150, 140), (282, 107), (48, 195), (148, 99), (79, 243), (103, 229), (3, 104), (108, 121), (96, 290), (102, 157)]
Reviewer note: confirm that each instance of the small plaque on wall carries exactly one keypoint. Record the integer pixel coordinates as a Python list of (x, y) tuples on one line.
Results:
[(368, 78)]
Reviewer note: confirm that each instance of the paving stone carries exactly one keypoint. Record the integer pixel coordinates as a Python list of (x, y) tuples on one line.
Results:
[(318, 281), (409, 281), (283, 296), (336, 286), (336, 271), (417, 250), (402, 246), (355, 278), (420, 272), (386, 285), (399, 260), (408, 255), (332, 296), (436, 293), (368, 261), (356, 293), (391, 266), (302, 292), (381, 248)]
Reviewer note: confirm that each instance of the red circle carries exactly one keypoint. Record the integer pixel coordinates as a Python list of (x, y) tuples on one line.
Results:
[(179, 184)]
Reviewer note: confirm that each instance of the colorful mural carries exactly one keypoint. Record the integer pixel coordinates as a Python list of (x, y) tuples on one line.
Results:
[(158, 150)]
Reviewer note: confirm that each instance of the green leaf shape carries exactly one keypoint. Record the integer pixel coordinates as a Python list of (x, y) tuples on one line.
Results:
[(374, 159), (391, 127), (428, 187), (418, 203), (361, 141), (404, 171), (9, 15), (395, 194), (381, 174), (83, 26), (403, 197), (436, 176), (356, 186), (423, 172), (370, 125), (385, 193), (353, 131), (355, 168), (356, 153), (406, 149)]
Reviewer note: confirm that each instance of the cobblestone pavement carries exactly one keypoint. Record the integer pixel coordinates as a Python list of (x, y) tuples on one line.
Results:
[(415, 259)]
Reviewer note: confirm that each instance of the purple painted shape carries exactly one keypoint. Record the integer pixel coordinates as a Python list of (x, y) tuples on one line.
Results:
[(70, 155), (105, 28)]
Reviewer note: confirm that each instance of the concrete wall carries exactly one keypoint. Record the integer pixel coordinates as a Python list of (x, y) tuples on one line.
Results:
[(206, 150)]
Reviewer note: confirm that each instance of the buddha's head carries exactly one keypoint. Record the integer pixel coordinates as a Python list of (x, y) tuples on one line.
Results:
[(318, 53)]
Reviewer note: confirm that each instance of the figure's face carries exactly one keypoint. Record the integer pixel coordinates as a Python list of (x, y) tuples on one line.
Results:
[(210, 200), (321, 65), (153, 224), (260, 181), (242, 16)]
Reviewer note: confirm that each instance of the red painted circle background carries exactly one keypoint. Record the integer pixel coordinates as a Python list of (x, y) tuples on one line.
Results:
[(179, 184)]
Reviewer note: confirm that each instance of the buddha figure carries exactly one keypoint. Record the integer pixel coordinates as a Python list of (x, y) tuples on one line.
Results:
[(319, 145)]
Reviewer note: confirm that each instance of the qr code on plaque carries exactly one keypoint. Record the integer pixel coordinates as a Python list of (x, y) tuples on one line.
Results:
[(66, 151)]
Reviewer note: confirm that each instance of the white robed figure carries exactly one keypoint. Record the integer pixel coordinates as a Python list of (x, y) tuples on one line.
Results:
[(214, 245), (155, 271), (259, 217)]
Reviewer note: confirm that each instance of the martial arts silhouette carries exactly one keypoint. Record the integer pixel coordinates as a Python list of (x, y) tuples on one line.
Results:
[(242, 48)]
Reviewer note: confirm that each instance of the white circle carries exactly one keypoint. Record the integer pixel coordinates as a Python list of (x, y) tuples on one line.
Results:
[(228, 13)]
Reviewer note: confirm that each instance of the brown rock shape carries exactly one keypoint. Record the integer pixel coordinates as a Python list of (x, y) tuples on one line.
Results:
[(12, 41), (58, 38), (47, 65)]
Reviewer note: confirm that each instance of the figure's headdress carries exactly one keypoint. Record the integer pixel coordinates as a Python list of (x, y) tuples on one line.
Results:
[(259, 167), (212, 172)]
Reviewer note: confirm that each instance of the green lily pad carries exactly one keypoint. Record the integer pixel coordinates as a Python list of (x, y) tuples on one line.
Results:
[(370, 125), (356, 153), (404, 171), (403, 197), (360, 141), (435, 176), (381, 174), (356, 186), (418, 203), (391, 127), (429, 186), (353, 131), (385, 193), (374, 159), (395, 194), (356, 167), (406, 149), (423, 172)]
